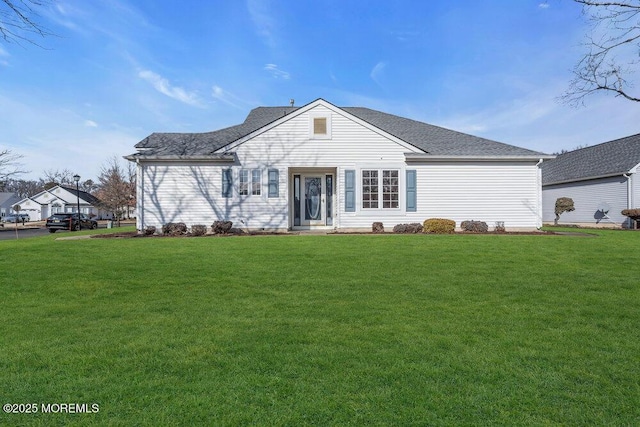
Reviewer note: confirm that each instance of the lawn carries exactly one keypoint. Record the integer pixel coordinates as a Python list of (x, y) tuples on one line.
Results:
[(323, 330)]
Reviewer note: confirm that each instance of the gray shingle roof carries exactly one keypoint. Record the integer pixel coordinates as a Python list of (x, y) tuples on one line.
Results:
[(431, 139), (607, 159)]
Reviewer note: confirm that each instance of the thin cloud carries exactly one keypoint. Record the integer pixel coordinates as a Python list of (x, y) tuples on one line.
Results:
[(377, 72), (90, 124), (264, 23), (3, 54), (276, 72), (228, 98), (163, 86), (544, 5)]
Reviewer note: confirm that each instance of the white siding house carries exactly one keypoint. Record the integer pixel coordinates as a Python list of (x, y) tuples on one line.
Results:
[(602, 180), (324, 167), (59, 199)]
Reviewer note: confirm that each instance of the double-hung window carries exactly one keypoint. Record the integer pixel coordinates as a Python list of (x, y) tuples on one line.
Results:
[(380, 189), (250, 182)]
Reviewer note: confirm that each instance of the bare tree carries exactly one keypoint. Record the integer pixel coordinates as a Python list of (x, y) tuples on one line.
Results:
[(23, 188), (19, 21), (9, 165), (55, 177), (612, 51), (114, 193)]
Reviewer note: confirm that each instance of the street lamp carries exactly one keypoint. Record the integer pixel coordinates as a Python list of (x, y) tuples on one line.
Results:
[(76, 178)]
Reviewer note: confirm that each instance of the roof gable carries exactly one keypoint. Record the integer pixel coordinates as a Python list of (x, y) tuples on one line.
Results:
[(607, 159)]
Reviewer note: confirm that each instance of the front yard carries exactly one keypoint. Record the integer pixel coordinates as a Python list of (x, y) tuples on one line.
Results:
[(323, 330)]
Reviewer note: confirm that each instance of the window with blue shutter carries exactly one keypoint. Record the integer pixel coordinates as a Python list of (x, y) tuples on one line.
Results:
[(274, 183), (226, 183), (350, 191), (412, 191)]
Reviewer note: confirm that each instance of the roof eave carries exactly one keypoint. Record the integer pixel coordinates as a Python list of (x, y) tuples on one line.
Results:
[(418, 157), (587, 178), (222, 158)]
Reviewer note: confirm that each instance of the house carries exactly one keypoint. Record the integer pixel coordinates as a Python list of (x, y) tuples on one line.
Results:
[(7, 201), (325, 167), (60, 199), (602, 180)]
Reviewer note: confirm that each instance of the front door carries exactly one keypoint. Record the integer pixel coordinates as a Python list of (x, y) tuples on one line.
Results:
[(313, 200)]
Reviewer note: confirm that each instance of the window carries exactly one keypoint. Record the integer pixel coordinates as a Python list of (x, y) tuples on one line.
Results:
[(226, 183), (256, 182), (370, 189), (250, 182), (390, 189), (373, 188), (243, 182)]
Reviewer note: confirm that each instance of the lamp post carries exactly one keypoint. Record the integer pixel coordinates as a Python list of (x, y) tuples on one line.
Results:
[(76, 178)]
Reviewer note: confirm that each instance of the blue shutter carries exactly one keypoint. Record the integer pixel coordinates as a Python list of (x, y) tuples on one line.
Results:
[(226, 183), (411, 191), (274, 183), (349, 191)]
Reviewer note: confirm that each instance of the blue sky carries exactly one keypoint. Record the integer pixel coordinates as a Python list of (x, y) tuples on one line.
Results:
[(117, 71)]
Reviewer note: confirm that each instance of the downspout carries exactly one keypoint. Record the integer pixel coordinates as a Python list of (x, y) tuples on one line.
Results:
[(539, 192), (629, 197), (140, 196)]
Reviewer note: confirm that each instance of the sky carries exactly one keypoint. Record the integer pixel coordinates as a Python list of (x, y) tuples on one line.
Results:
[(115, 71)]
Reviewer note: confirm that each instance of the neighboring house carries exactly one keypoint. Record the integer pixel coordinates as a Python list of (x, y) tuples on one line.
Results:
[(602, 180), (7, 201), (324, 167), (60, 199)]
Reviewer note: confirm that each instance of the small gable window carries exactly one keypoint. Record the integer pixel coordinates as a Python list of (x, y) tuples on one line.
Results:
[(320, 127)]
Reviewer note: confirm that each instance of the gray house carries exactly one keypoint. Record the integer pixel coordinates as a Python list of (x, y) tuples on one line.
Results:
[(602, 180), (7, 200)]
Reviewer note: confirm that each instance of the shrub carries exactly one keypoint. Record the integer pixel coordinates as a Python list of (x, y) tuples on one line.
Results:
[(631, 212), (221, 227), (377, 227), (174, 228), (149, 231), (236, 231), (499, 228), (408, 228), (563, 204), (474, 226), (439, 226), (198, 230)]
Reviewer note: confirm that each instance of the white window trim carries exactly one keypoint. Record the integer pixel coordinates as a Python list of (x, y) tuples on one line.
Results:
[(250, 182), (380, 170), (312, 117)]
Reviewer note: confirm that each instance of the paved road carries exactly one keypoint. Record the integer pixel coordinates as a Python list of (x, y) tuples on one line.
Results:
[(8, 232)]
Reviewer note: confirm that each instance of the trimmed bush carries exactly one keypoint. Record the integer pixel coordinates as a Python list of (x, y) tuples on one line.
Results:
[(563, 204), (474, 226), (499, 228), (408, 228), (236, 231), (439, 226), (174, 228), (377, 227), (149, 231), (221, 227), (198, 230)]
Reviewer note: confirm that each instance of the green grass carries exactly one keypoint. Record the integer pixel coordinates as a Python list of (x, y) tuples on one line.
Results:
[(324, 330)]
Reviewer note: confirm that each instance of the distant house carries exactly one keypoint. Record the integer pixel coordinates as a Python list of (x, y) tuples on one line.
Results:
[(323, 167), (602, 180), (60, 199), (7, 201)]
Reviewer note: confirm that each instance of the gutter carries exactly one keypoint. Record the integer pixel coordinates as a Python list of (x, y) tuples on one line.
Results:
[(567, 181), (225, 158), (425, 157)]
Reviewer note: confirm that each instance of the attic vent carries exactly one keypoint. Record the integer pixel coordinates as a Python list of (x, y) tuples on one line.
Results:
[(320, 126)]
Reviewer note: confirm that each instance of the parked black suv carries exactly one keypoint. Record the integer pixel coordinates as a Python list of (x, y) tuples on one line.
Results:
[(69, 221)]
